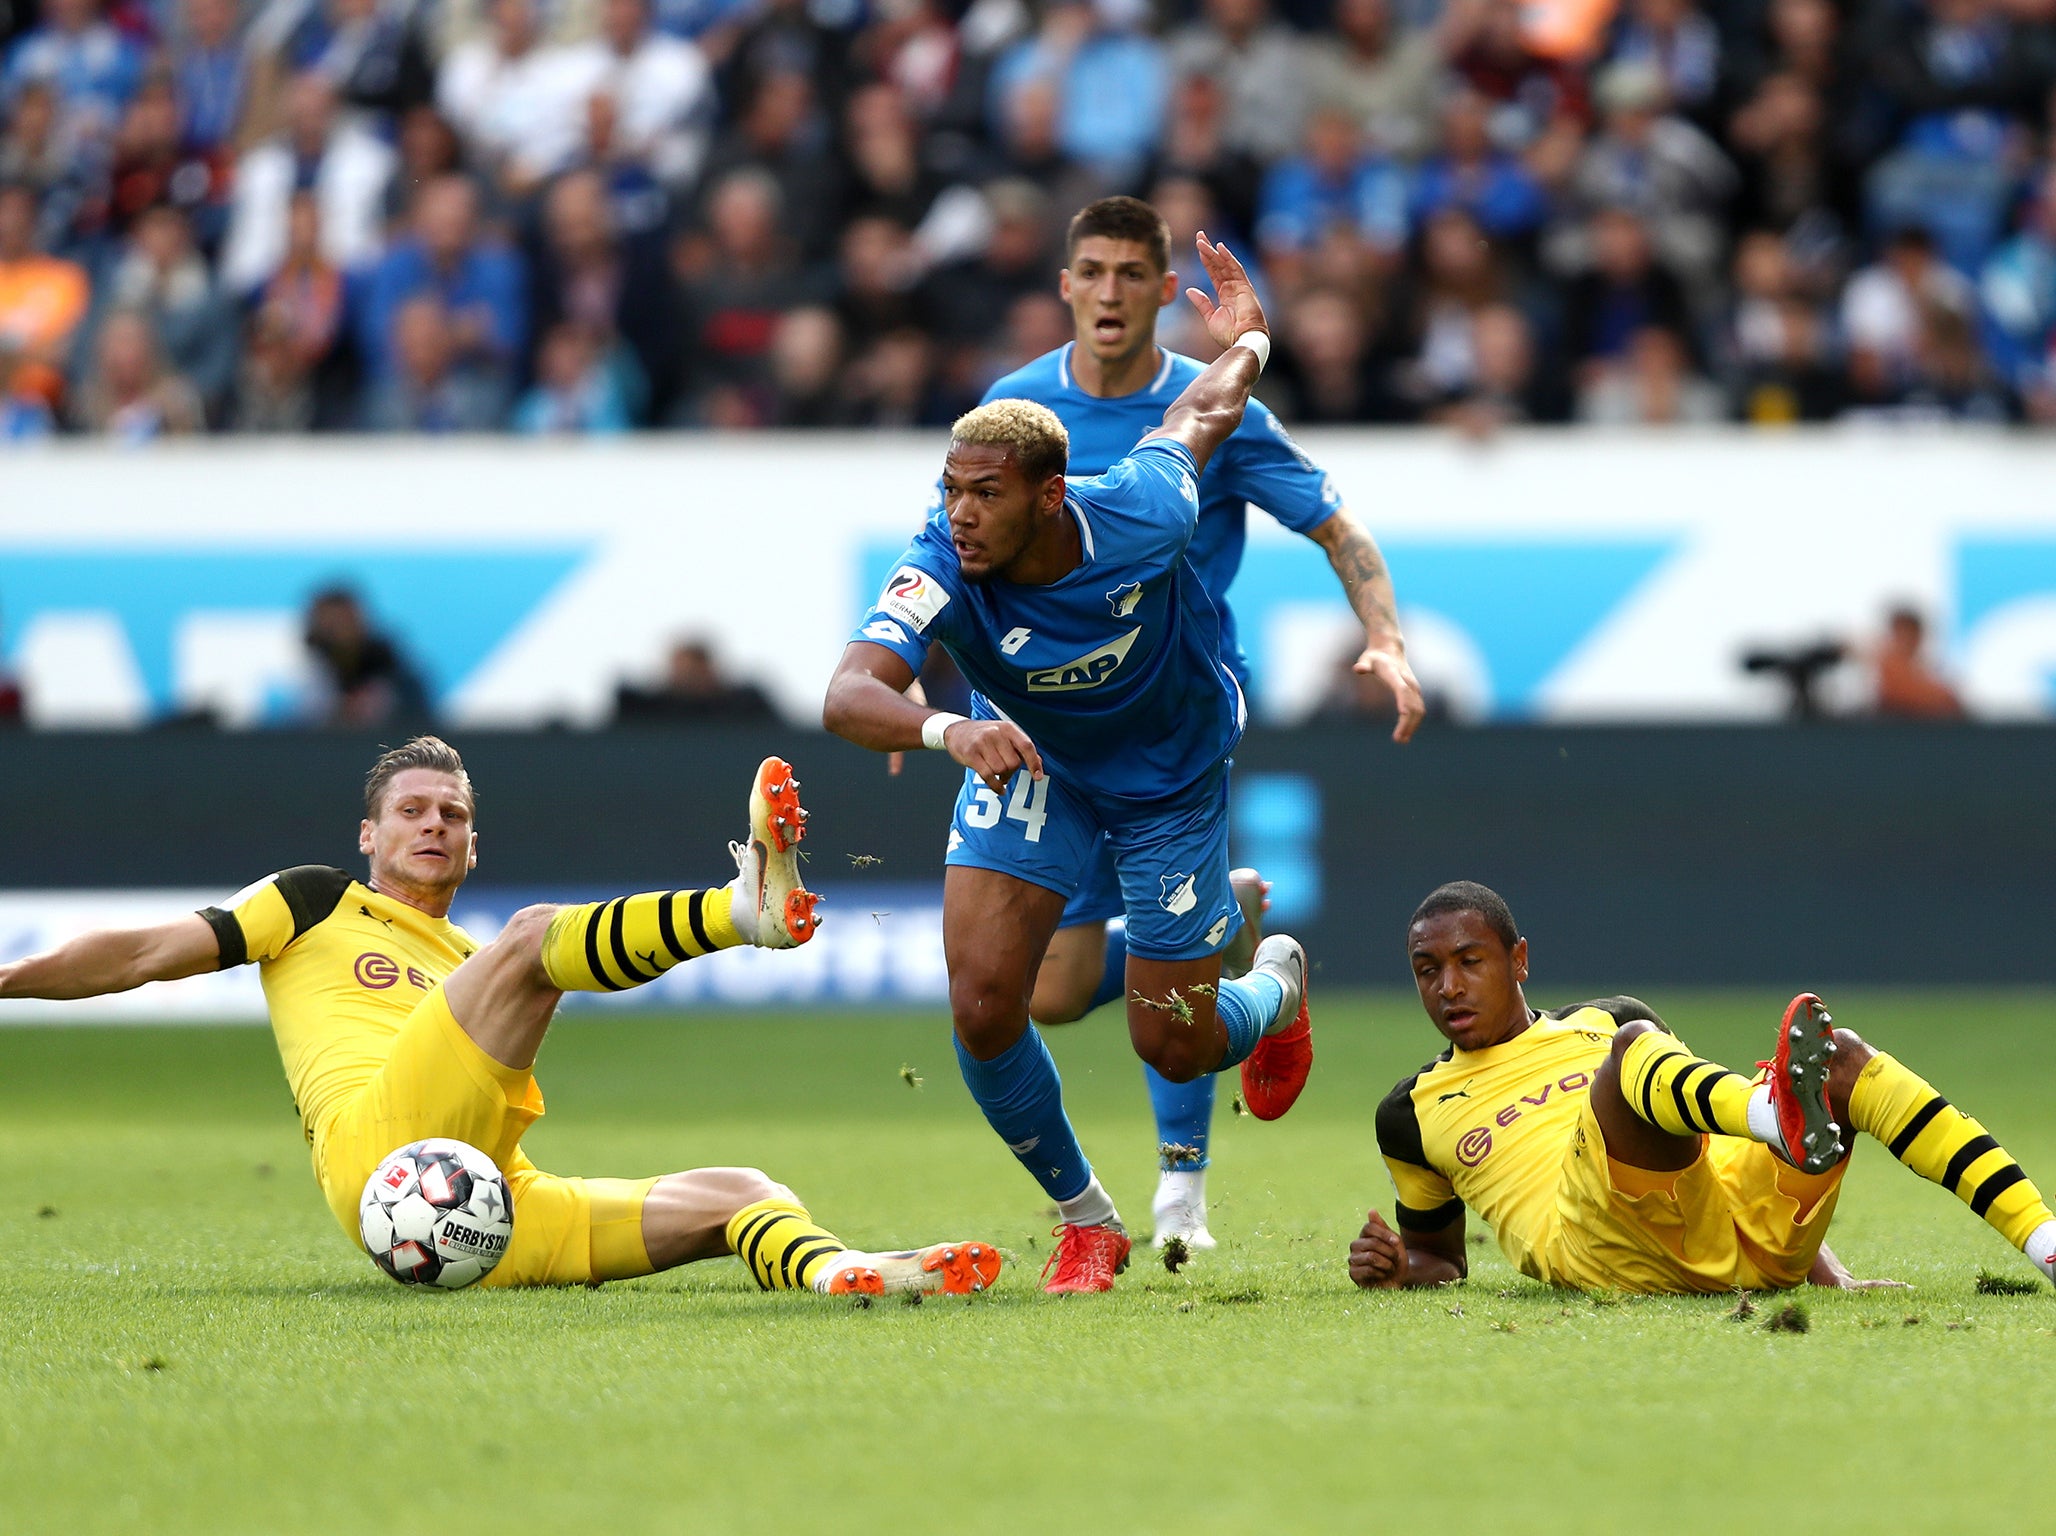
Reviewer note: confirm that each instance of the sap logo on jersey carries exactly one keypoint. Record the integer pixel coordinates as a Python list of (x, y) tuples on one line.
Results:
[(1125, 598), (1179, 897), (914, 596), (1087, 671)]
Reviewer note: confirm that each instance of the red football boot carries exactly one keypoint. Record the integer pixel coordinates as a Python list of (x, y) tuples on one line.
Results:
[(1277, 1069), (1799, 1086), (1087, 1259)]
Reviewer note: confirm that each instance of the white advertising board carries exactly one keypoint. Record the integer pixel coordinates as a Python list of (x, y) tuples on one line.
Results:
[(1567, 576)]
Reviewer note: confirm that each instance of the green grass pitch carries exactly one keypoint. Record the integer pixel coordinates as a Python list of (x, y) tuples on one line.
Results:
[(187, 1343)]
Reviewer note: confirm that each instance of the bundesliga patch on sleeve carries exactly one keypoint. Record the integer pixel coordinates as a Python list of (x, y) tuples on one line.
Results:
[(913, 596)]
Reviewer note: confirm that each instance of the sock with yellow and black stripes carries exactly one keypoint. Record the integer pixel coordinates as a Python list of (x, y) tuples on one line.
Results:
[(783, 1248), (607, 946), (1678, 1092), (1945, 1146)]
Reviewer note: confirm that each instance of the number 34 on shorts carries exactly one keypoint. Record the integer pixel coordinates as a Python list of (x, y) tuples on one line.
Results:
[(1037, 830)]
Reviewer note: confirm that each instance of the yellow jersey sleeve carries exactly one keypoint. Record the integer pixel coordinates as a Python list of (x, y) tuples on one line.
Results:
[(1427, 1201), (261, 922)]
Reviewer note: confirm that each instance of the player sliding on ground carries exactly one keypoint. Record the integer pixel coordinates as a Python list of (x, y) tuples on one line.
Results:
[(395, 1025), (1109, 386), (1102, 711), (1607, 1157)]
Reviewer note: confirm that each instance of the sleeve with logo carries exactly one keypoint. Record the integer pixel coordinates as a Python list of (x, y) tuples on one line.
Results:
[(911, 613), (261, 921), (1262, 464), (1427, 1201)]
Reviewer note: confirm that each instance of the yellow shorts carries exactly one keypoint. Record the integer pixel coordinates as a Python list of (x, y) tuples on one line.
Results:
[(438, 1082), (1737, 1217)]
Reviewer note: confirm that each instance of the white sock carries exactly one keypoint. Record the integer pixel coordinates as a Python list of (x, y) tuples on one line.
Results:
[(1090, 1207), (2041, 1247), (1763, 1119), (742, 911), (1187, 1186)]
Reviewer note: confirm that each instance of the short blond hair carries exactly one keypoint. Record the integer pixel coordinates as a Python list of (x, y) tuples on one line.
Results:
[(1041, 445), (430, 752)]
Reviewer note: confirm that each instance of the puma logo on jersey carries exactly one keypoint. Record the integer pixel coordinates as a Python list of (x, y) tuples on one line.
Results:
[(1461, 1093), (1087, 671), (1125, 598), (1179, 896)]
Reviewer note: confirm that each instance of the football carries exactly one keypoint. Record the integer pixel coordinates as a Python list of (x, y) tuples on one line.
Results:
[(436, 1213)]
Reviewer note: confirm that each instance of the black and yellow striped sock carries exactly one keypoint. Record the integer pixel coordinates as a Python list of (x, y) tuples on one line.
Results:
[(606, 946), (1945, 1146), (783, 1248), (1675, 1091)]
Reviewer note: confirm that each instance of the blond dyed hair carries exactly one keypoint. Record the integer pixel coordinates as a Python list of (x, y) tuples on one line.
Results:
[(1041, 445)]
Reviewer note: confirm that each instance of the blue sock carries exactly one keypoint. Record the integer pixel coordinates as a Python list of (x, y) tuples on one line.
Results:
[(1184, 1116), (1023, 1099), (1113, 979), (1247, 1007)]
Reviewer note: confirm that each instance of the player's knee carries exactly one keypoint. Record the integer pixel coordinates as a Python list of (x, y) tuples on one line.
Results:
[(1852, 1054), (525, 929), (1055, 1005), (987, 1010), (1176, 1059), (1627, 1035), (752, 1186)]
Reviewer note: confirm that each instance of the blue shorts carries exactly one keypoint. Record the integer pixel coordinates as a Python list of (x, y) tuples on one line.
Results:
[(1170, 856), (1098, 897)]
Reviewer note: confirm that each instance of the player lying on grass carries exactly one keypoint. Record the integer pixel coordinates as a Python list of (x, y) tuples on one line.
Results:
[(1607, 1157), (1109, 386), (1103, 711), (395, 1025)]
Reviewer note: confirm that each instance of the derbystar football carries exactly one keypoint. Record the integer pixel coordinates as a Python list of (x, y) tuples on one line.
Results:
[(436, 1213)]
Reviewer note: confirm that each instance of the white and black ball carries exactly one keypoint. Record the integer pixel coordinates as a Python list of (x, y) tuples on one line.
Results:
[(436, 1213)]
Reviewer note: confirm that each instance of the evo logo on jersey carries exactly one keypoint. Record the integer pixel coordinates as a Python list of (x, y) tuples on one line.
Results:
[(915, 596), (1087, 671), (377, 972), (1477, 1141)]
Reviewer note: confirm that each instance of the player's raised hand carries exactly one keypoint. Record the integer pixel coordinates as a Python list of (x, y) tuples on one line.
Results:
[(993, 749), (1377, 1259), (1234, 307), (1391, 669)]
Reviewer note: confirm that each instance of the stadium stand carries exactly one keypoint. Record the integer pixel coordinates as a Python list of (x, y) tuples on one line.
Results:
[(589, 215)]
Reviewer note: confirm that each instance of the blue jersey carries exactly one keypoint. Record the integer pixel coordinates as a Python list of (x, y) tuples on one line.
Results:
[(1112, 670), (1260, 463)]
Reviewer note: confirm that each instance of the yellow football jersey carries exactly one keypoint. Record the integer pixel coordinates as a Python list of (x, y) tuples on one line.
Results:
[(343, 968), (1489, 1129)]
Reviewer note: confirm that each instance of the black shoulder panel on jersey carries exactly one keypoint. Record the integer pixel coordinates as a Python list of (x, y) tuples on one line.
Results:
[(1399, 1125), (228, 933), (312, 892), (1625, 1010)]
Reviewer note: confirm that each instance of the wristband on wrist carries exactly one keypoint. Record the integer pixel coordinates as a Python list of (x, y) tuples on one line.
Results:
[(933, 727), (1258, 342)]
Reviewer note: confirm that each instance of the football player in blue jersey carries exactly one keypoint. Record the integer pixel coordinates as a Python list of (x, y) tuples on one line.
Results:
[(1102, 711), (1109, 387)]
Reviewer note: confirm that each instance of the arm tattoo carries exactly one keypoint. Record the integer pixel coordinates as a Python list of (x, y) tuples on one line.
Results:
[(1356, 560)]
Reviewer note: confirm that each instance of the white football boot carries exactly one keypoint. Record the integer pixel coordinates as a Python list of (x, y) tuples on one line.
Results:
[(773, 909)]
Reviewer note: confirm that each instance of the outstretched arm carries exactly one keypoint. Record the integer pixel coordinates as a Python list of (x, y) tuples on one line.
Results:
[(1382, 1259), (1361, 568), (867, 703), (115, 960), (1210, 409)]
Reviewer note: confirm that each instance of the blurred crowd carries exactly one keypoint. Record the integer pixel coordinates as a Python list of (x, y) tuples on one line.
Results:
[(585, 216)]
